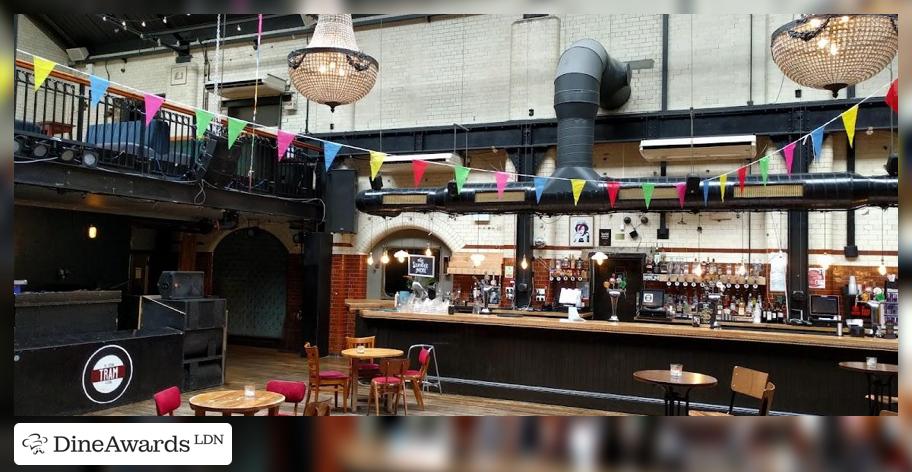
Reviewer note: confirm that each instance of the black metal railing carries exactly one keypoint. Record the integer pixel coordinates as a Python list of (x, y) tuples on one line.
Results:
[(57, 121)]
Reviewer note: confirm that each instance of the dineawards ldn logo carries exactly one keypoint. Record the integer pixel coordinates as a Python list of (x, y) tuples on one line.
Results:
[(122, 444)]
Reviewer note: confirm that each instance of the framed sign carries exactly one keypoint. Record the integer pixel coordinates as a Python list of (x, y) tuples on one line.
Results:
[(178, 75), (604, 237), (420, 266), (816, 277), (581, 231)]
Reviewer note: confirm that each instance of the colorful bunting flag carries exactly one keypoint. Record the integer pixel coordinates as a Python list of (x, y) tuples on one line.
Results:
[(681, 187), (817, 141), (540, 183), (284, 139), (43, 68), (705, 185), (764, 168), (648, 188), (723, 179), (330, 150), (501, 178), (259, 28), (97, 89), (892, 97), (376, 162), (235, 126), (789, 153), (577, 186), (203, 118), (613, 188), (848, 121), (462, 173), (153, 103), (742, 176), (418, 168)]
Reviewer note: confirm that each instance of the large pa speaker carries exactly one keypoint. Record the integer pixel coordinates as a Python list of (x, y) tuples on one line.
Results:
[(177, 285), (217, 164), (340, 200)]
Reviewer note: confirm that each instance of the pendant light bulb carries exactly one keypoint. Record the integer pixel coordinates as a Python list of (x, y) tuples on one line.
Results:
[(385, 258), (599, 257), (697, 269), (882, 270), (400, 255), (93, 232), (428, 252), (742, 269), (524, 264), (370, 259), (477, 259)]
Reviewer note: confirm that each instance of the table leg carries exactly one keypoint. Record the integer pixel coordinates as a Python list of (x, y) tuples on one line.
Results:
[(199, 412), (274, 411), (225, 413), (879, 393), (674, 402)]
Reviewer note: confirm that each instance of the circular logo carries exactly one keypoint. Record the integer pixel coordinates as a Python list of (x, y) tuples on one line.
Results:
[(107, 374)]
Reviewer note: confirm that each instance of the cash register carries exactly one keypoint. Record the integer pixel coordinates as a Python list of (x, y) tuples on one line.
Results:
[(651, 304)]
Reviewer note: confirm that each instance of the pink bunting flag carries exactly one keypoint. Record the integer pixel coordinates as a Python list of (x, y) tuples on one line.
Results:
[(283, 139), (501, 178), (613, 188), (742, 176), (153, 103), (259, 27), (418, 168), (789, 153), (681, 187)]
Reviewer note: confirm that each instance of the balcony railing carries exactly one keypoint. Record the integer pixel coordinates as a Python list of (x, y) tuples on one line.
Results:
[(57, 123)]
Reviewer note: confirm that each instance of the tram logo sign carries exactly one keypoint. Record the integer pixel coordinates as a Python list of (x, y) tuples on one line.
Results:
[(107, 374)]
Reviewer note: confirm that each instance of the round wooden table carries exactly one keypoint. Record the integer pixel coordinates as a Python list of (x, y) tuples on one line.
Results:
[(356, 358), (228, 402), (880, 383), (673, 398)]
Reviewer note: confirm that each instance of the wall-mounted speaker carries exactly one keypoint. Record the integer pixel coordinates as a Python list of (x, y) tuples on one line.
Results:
[(217, 164), (340, 200)]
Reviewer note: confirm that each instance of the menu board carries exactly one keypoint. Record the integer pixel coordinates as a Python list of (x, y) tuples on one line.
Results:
[(420, 266)]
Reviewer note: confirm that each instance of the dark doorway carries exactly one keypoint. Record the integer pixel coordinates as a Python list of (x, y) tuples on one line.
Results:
[(631, 265)]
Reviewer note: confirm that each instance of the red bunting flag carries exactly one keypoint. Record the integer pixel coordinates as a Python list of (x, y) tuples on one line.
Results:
[(681, 187), (418, 168), (789, 152), (613, 188), (501, 178), (742, 176), (892, 97)]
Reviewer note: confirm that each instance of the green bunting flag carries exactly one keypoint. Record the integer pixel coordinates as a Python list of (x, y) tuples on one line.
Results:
[(235, 126), (462, 173), (764, 168), (647, 192), (203, 118)]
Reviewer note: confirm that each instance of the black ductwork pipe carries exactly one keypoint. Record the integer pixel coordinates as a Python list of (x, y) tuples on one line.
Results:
[(818, 191)]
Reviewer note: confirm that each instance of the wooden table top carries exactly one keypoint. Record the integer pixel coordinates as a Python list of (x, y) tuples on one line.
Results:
[(687, 379), (371, 353), (861, 366), (234, 401), (649, 329)]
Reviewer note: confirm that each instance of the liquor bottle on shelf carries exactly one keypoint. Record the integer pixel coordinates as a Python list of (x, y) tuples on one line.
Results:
[(663, 265), (650, 267)]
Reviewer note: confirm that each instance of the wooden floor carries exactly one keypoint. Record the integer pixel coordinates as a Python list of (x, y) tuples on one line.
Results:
[(250, 365)]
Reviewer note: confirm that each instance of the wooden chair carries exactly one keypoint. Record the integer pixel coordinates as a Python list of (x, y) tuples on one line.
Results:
[(293, 391), (330, 379), (389, 382), (317, 408), (750, 383), (416, 377), (367, 368)]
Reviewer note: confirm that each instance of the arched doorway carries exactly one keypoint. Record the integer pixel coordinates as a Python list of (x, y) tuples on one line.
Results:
[(249, 270), (384, 280)]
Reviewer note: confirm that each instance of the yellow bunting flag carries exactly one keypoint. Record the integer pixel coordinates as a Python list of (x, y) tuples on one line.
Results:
[(577, 185), (723, 179), (848, 120), (376, 160), (43, 68)]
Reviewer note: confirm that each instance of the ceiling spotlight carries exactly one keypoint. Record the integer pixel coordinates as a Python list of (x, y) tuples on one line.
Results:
[(67, 155), (165, 20), (238, 27), (40, 150), (104, 18), (143, 23), (89, 159), (123, 23)]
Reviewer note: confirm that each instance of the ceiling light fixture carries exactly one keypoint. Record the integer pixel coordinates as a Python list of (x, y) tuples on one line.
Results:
[(332, 70), (477, 259), (524, 264), (400, 255), (599, 257), (385, 258), (833, 52)]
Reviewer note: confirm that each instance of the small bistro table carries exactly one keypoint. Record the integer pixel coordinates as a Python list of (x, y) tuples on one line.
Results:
[(356, 358), (228, 402), (673, 398), (880, 383)]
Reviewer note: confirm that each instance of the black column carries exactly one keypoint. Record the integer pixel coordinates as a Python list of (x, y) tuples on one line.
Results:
[(524, 162), (316, 261), (850, 249), (797, 286)]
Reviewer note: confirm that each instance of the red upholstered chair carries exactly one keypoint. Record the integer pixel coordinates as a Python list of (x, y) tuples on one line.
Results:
[(329, 379), (294, 392), (389, 382), (416, 377), (167, 401)]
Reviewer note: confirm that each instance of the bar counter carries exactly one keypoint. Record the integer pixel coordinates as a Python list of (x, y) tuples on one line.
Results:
[(590, 364)]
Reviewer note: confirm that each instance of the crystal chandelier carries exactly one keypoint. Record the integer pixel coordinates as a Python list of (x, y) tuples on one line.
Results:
[(833, 52), (332, 70)]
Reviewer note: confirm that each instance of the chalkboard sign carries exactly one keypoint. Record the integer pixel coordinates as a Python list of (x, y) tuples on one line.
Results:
[(604, 237), (420, 266)]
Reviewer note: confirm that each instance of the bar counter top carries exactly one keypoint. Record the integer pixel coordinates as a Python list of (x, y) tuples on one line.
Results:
[(648, 329)]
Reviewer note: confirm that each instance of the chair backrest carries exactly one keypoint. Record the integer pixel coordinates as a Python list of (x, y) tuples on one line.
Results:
[(767, 401), (368, 342), (317, 408), (749, 382), (424, 359), (294, 391), (167, 400), (393, 367), (313, 360)]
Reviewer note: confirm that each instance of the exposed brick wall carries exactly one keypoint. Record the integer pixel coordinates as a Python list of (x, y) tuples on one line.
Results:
[(838, 278), (348, 280)]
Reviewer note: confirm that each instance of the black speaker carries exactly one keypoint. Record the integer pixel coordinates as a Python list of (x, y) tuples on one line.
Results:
[(177, 285), (850, 251), (217, 164), (340, 200), (692, 184)]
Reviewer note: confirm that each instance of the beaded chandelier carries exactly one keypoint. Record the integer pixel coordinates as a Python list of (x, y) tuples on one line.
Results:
[(835, 51), (332, 70)]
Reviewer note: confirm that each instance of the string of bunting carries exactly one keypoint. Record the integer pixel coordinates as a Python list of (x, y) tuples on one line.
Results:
[(236, 127)]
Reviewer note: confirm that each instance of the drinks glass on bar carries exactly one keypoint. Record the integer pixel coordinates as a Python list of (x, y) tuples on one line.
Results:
[(871, 362), (676, 370), (249, 391)]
